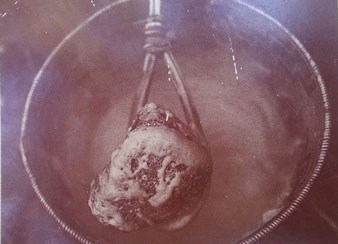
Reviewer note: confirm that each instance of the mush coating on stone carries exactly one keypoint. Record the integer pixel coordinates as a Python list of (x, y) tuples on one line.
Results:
[(158, 176)]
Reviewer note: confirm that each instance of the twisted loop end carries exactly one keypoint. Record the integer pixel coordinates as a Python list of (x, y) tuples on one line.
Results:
[(156, 40)]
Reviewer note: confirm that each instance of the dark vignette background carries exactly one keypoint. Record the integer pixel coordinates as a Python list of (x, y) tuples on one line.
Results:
[(24, 24)]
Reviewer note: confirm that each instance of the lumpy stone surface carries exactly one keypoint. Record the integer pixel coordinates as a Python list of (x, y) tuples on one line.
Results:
[(158, 176)]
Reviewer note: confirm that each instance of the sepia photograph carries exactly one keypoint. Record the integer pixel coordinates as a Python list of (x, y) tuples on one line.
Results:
[(169, 121)]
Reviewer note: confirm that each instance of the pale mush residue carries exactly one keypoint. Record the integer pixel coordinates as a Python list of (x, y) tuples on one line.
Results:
[(268, 215), (169, 73), (233, 58)]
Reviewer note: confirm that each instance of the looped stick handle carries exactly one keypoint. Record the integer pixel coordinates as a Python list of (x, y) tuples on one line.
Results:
[(154, 8), (156, 44), (189, 108), (142, 92)]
